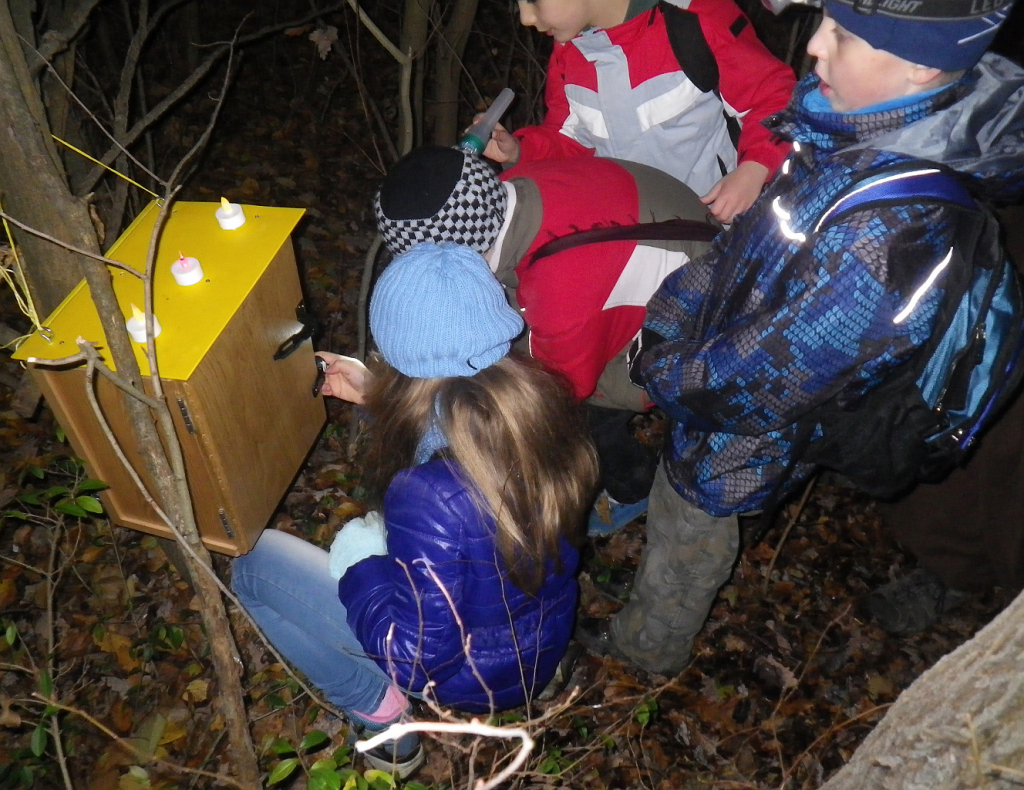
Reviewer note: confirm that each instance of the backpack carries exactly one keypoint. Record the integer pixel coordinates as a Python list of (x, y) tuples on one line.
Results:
[(923, 420), (695, 56)]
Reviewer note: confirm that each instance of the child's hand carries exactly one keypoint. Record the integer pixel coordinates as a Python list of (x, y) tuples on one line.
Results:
[(736, 192), (346, 377), (502, 148)]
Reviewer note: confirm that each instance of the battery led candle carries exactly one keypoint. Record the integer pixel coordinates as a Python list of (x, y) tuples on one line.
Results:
[(230, 215), (186, 270), (136, 325)]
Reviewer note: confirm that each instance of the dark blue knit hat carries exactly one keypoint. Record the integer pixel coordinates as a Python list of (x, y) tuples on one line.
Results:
[(438, 311), (945, 34)]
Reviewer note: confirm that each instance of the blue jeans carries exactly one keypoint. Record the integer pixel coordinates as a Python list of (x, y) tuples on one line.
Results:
[(285, 585)]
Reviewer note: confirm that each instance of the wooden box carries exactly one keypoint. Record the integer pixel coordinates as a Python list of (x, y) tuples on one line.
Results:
[(246, 421)]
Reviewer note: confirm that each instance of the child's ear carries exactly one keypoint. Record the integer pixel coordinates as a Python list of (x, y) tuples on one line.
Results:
[(925, 77)]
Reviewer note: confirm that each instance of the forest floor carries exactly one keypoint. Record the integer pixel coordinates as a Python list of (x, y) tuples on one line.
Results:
[(786, 679)]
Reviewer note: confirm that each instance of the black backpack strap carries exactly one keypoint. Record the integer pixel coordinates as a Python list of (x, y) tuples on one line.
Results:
[(667, 230), (695, 56), (690, 47)]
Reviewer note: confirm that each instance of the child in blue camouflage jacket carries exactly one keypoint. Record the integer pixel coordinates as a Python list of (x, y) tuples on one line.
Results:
[(775, 320)]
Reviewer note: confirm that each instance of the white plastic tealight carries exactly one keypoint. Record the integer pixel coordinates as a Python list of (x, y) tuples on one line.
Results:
[(186, 270), (230, 215), (136, 325)]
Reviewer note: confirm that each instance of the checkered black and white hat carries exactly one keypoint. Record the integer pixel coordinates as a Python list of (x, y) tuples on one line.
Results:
[(440, 194)]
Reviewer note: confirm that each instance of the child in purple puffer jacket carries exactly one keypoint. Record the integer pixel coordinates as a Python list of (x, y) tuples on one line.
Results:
[(464, 590)]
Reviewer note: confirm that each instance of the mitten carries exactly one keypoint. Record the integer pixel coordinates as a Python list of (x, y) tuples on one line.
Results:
[(358, 539)]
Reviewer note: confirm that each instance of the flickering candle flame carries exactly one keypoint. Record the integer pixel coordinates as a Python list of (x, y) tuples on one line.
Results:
[(230, 215), (136, 325), (187, 270)]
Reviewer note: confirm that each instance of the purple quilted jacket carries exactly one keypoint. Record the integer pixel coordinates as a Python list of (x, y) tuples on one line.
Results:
[(438, 607)]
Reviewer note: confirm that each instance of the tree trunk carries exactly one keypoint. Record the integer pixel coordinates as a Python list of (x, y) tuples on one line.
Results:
[(34, 189), (413, 41), (32, 183), (448, 71), (957, 725)]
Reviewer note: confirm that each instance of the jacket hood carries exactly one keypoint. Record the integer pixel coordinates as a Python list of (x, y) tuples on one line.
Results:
[(976, 127)]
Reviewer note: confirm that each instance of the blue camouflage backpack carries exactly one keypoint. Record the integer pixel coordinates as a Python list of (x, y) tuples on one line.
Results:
[(923, 420)]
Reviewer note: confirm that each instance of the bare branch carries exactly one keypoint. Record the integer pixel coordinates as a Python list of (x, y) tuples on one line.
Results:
[(384, 41), (474, 727), (56, 41), (144, 759), (221, 51), (99, 124), (72, 247)]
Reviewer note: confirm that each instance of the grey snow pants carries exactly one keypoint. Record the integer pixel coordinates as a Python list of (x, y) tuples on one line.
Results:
[(688, 557)]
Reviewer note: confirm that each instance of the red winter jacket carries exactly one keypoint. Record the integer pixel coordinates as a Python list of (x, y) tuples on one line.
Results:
[(584, 305), (621, 93)]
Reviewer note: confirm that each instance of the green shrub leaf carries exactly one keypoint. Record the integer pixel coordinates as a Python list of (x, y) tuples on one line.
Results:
[(280, 746), (283, 770), (313, 739), (323, 779), (89, 503), (69, 508), (39, 738)]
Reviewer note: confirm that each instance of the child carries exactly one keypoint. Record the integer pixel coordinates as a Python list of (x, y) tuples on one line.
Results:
[(778, 319), (583, 305), (487, 474), (681, 90)]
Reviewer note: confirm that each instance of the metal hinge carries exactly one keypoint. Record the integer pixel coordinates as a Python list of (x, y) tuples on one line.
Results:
[(186, 416), (226, 523)]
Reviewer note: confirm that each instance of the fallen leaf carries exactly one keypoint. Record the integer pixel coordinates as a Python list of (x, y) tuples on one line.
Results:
[(196, 691), (8, 592), (324, 38), (120, 647), (122, 715), (172, 732), (879, 686)]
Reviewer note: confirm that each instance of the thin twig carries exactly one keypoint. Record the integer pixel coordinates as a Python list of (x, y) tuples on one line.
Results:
[(183, 89), (832, 731), (91, 115), (785, 533), (94, 364), (144, 759), (474, 727), (71, 247)]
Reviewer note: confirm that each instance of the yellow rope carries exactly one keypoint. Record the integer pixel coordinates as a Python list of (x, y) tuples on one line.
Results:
[(16, 281), (97, 161), (15, 276)]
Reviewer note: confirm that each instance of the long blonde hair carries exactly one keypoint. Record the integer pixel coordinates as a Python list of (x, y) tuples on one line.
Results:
[(517, 435)]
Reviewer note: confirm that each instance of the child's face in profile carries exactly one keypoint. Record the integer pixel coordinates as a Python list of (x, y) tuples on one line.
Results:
[(853, 74), (563, 20)]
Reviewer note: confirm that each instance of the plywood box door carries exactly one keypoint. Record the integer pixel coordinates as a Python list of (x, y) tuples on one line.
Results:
[(124, 501), (255, 418)]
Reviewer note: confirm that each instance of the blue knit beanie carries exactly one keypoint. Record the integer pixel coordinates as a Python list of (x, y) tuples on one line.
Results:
[(944, 34), (438, 311)]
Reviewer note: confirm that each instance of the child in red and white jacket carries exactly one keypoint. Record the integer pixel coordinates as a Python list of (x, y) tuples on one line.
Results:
[(688, 102)]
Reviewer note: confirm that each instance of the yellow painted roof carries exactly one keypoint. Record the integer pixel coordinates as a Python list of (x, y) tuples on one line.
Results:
[(192, 317)]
